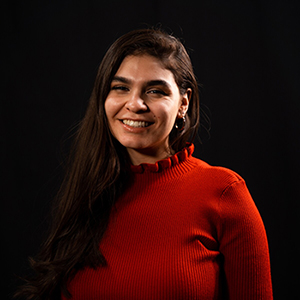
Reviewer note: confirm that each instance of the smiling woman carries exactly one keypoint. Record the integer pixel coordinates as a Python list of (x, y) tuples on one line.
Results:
[(137, 216), (142, 107)]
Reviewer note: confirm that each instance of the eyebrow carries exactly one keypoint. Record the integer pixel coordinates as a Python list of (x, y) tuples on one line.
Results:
[(121, 79), (148, 83)]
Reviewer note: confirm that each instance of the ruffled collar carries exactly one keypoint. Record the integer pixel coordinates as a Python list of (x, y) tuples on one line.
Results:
[(167, 163)]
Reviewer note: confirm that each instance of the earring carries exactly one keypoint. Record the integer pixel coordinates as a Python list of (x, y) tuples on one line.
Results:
[(180, 124)]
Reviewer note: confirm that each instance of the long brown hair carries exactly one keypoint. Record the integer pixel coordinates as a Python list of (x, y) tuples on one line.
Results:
[(97, 168)]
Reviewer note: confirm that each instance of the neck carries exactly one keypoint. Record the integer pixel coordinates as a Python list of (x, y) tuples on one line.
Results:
[(148, 156)]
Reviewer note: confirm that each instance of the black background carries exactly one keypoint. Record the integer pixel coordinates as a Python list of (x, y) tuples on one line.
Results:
[(246, 55)]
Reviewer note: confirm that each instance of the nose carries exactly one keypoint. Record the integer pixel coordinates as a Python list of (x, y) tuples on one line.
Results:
[(136, 103)]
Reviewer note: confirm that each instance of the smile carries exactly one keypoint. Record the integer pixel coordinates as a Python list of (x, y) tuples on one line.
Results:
[(136, 124)]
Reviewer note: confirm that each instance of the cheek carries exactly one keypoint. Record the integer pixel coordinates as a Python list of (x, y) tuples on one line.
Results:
[(110, 111), (107, 109), (166, 115), (111, 108)]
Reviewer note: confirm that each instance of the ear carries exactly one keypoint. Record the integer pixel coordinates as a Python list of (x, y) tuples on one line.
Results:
[(185, 100)]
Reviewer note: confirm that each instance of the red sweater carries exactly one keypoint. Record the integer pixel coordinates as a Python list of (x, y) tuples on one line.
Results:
[(183, 230)]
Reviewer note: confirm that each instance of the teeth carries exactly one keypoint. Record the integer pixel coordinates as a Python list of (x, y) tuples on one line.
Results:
[(136, 123)]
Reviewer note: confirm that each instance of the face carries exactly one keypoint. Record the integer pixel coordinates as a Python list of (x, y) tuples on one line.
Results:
[(142, 106)]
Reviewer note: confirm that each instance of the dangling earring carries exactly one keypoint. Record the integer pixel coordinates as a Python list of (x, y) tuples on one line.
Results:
[(180, 124)]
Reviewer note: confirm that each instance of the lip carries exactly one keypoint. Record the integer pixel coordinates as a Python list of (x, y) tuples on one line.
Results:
[(135, 129), (136, 120)]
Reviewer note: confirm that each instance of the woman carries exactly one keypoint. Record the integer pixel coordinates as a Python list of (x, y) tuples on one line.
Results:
[(138, 217)]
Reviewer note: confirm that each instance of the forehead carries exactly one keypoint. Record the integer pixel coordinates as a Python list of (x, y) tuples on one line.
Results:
[(140, 68)]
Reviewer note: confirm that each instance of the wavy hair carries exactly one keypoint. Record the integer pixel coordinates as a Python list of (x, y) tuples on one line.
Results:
[(96, 173)]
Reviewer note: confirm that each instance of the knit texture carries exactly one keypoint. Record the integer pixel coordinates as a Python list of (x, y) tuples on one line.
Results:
[(182, 230)]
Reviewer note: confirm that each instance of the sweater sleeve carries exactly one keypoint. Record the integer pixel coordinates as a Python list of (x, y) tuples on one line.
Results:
[(244, 245)]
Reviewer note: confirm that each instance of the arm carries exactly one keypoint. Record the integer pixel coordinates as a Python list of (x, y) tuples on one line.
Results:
[(244, 245)]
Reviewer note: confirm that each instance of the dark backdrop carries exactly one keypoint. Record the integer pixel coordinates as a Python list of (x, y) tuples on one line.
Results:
[(246, 55)]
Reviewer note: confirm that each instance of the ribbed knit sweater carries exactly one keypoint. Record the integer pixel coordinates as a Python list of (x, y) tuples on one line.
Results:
[(182, 230)]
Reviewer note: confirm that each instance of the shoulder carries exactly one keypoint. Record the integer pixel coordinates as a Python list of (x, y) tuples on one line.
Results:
[(214, 176), (228, 188)]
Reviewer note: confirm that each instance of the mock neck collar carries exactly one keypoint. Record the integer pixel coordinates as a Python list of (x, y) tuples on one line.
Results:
[(164, 164)]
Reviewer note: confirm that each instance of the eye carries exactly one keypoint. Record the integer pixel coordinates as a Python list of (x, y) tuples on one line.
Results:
[(119, 88), (155, 91)]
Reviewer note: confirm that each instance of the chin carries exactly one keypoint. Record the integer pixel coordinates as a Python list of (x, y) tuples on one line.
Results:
[(135, 146)]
